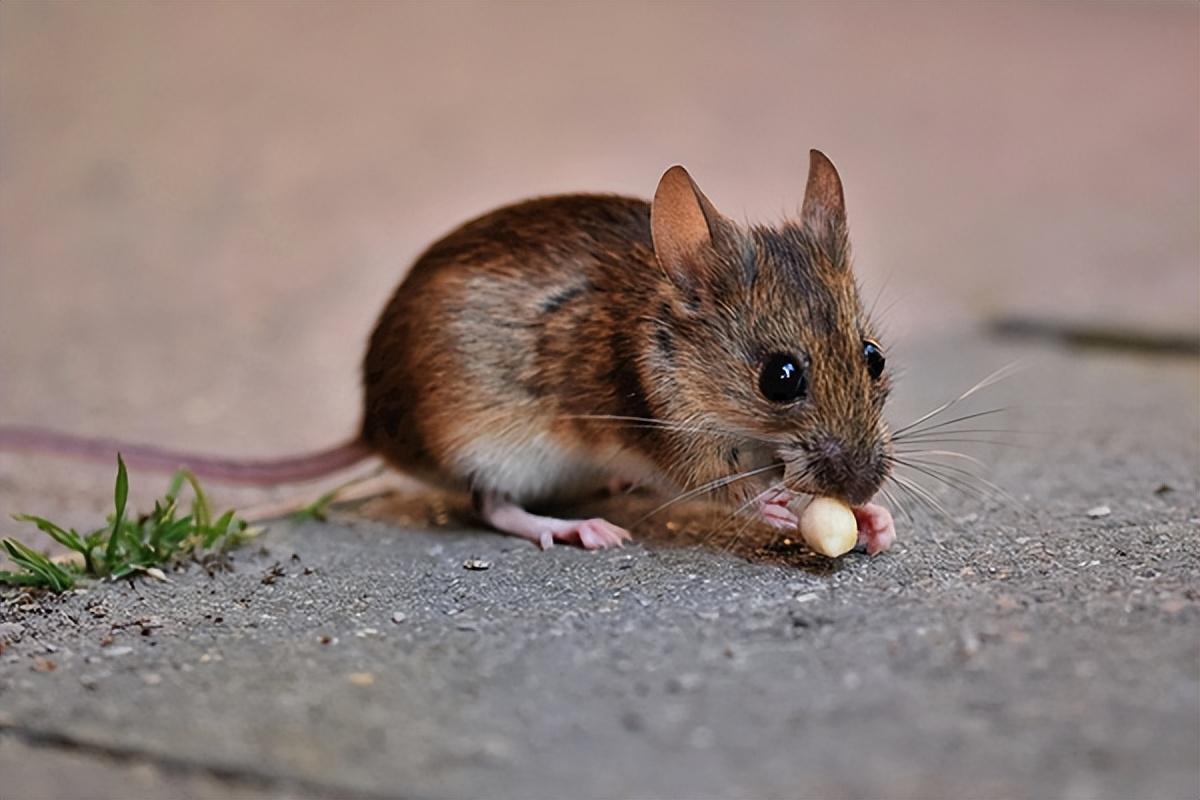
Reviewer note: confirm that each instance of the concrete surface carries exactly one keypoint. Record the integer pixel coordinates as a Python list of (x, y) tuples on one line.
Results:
[(203, 207), (1015, 650)]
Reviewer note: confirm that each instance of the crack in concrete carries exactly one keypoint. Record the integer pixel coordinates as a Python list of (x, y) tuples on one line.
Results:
[(227, 773)]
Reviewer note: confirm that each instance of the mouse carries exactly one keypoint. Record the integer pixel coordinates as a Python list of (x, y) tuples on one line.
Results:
[(566, 344)]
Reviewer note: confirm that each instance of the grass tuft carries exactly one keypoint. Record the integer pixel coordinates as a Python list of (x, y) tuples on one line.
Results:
[(318, 509), (127, 545)]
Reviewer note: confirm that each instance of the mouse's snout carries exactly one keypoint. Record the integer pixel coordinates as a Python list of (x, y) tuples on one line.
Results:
[(832, 466)]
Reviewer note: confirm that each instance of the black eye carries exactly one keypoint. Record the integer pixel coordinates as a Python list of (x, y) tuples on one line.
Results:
[(784, 378), (875, 359)]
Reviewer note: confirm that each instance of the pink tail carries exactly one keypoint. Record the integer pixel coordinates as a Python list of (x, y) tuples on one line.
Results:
[(253, 472)]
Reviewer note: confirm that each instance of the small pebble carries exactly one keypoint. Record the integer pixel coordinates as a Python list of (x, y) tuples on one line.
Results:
[(1099, 511), (399, 617), (476, 564), (157, 574), (361, 678), (114, 652)]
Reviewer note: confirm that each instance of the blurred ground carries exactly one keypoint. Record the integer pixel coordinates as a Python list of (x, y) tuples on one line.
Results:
[(203, 207)]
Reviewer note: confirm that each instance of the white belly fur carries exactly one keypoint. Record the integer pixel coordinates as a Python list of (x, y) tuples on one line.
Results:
[(543, 468)]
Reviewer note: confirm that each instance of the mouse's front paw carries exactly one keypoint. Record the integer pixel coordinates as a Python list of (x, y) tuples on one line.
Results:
[(774, 511), (875, 527)]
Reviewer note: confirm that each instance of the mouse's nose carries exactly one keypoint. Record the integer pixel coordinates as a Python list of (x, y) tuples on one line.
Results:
[(851, 472)]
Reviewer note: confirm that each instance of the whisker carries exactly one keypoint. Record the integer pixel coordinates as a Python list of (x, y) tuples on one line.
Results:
[(951, 481), (963, 480), (708, 487), (943, 454), (909, 431), (1011, 431), (996, 492), (715, 529), (990, 442), (882, 318), (900, 488), (941, 465), (647, 422), (737, 537), (895, 502), (924, 495), (1000, 374), (879, 295), (904, 487), (681, 427)]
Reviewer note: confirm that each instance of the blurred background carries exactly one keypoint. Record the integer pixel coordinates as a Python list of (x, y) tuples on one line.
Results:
[(203, 206)]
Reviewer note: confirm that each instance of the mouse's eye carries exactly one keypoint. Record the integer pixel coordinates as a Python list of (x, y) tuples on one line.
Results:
[(784, 378), (874, 358)]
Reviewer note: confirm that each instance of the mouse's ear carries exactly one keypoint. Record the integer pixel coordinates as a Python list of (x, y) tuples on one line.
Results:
[(682, 223), (823, 199)]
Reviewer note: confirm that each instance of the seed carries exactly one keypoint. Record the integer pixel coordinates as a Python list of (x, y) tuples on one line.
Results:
[(829, 527)]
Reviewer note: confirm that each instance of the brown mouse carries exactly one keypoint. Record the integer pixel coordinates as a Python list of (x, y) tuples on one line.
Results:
[(548, 348)]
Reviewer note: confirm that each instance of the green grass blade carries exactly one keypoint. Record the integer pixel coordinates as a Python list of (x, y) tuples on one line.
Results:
[(22, 579), (121, 490), (69, 539), (120, 495), (176, 484), (175, 533), (218, 529), (201, 510), (317, 509), (56, 577)]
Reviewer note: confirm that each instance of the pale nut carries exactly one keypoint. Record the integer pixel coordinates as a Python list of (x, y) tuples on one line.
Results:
[(829, 527)]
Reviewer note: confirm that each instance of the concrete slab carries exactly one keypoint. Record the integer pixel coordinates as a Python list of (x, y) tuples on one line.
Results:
[(1008, 651)]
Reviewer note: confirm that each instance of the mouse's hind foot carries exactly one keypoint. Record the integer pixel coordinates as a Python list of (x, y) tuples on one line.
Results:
[(508, 517)]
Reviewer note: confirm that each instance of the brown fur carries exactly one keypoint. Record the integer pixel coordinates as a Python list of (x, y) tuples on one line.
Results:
[(518, 328)]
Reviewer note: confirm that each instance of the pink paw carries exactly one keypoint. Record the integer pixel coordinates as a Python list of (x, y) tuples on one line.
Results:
[(875, 527), (591, 534), (773, 509), (505, 515)]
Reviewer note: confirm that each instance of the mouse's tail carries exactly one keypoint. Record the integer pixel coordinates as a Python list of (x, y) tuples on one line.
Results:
[(252, 472)]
